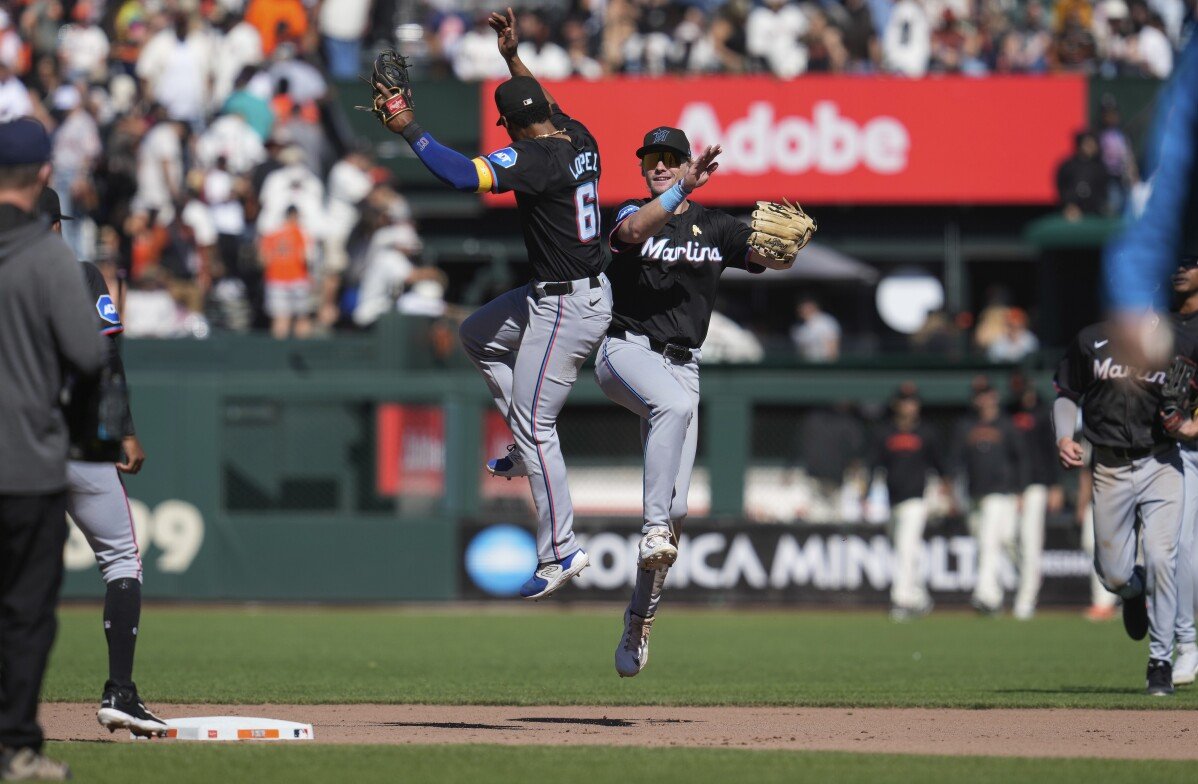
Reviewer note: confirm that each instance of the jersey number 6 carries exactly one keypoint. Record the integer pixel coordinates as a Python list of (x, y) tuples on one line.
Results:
[(586, 211)]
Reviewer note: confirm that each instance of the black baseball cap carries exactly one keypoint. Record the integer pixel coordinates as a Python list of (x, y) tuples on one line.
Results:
[(23, 142), (519, 92), (665, 138), (48, 204), (1188, 262)]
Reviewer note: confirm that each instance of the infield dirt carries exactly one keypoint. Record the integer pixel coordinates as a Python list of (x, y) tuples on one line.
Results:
[(1117, 734)]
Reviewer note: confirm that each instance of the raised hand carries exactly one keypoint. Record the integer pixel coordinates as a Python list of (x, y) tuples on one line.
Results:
[(699, 170), (505, 30)]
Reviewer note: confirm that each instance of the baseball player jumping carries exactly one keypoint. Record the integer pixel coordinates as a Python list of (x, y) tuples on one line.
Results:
[(668, 255), (1137, 468), (1185, 317), (97, 502), (530, 342)]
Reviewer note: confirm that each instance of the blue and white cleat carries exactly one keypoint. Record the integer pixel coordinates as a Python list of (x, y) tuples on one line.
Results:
[(509, 466), (553, 575)]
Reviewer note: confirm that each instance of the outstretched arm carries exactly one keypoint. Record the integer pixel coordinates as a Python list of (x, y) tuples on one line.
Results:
[(505, 29), (643, 223)]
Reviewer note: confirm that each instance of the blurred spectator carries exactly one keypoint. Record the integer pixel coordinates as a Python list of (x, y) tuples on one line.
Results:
[(728, 341), (350, 182), (476, 57), (816, 337), (10, 43), (774, 36), (542, 56), (175, 66), (76, 148), (1118, 157), (278, 21), (160, 169), (727, 36), (249, 105), (1082, 179), (860, 40), (284, 253), (292, 185), (825, 46), (342, 25), (40, 23), (907, 42), (83, 47), (150, 309), (1025, 48), (1073, 45), (231, 138), (939, 335), (1015, 342), (389, 272), (240, 47), (1153, 53), (577, 42), (14, 96)]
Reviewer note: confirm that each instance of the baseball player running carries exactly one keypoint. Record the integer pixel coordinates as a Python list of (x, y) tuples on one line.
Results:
[(668, 255), (530, 342), (1185, 317), (1136, 468), (97, 502)]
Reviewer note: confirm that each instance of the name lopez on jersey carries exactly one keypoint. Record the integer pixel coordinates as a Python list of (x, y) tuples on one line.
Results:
[(1106, 370), (693, 252), (584, 162)]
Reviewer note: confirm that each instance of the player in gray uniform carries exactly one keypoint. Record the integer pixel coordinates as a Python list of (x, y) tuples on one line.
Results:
[(1137, 471), (668, 254), (1185, 667), (97, 502), (530, 342)]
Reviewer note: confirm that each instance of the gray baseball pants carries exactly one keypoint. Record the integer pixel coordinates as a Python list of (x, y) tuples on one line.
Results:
[(529, 347), (1187, 553), (1152, 486), (665, 395), (97, 502)]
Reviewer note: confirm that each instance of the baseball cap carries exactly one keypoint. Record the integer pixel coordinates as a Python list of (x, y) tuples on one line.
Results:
[(519, 92), (665, 138), (1188, 262), (23, 142), (48, 204)]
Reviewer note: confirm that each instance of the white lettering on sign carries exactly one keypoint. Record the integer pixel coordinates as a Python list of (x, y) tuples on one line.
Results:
[(828, 142)]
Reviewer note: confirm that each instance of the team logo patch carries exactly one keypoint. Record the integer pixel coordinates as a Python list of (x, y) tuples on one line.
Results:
[(107, 310), (624, 213), (505, 157), (660, 135)]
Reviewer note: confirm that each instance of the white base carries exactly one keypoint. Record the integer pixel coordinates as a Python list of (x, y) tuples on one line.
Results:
[(237, 728)]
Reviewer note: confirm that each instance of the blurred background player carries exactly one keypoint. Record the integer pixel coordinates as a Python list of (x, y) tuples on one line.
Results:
[(1137, 474), (97, 502), (907, 450), (990, 453), (1040, 492), (1185, 317), (530, 342)]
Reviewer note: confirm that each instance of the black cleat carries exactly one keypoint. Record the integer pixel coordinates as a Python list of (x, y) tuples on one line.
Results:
[(120, 708), (1160, 678), (1135, 610)]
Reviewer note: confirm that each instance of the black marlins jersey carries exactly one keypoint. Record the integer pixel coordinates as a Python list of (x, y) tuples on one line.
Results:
[(556, 181), (665, 288), (1120, 404)]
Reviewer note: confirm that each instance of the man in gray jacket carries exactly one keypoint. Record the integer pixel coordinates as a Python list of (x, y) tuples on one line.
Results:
[(46, 330)]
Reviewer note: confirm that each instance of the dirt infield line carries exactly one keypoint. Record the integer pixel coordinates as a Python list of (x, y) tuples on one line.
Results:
[(1163, 735)]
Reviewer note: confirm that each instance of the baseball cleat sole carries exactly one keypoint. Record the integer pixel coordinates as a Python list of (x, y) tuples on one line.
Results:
[(663, 558), (114, 720)]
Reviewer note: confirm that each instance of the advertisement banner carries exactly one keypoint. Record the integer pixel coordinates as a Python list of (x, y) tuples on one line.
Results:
[(834, 140), (766, 563), (410, 446)]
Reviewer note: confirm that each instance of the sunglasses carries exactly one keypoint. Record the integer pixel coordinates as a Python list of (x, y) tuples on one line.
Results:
[(649, 161)]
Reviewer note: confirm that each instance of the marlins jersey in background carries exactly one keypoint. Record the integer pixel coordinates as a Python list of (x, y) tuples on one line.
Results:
[(655, 284), (556, 181)]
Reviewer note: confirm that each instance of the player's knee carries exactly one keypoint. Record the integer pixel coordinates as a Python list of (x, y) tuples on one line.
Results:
[(121, 571), (677, 409)]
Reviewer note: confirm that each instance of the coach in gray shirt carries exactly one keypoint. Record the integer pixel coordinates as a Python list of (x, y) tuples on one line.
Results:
[(46, 331)]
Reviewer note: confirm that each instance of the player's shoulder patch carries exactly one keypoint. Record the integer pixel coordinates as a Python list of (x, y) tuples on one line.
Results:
[(505, 157), (107, 309), (626, 210)]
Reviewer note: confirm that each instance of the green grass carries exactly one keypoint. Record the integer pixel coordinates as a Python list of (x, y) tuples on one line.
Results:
[(594, 765), (548, 655)]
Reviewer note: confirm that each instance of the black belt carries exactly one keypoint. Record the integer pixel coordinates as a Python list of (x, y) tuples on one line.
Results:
[(559, 287), (1115, 456), (668, 350)]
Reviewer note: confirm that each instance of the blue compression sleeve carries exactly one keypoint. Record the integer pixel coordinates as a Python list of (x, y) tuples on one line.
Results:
[(1138, 261), (449, 166)]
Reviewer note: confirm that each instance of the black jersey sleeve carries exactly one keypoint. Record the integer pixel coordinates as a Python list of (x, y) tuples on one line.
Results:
[(622, 212), (107, 318), (734, 244), (525, 167), (931, 451), (1073, 377)]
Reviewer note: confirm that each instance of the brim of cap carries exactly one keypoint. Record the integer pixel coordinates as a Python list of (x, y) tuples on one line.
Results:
[(648, 148)]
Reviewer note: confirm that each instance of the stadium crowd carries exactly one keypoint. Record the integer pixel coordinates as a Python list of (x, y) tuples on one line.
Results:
[(195, 142)]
